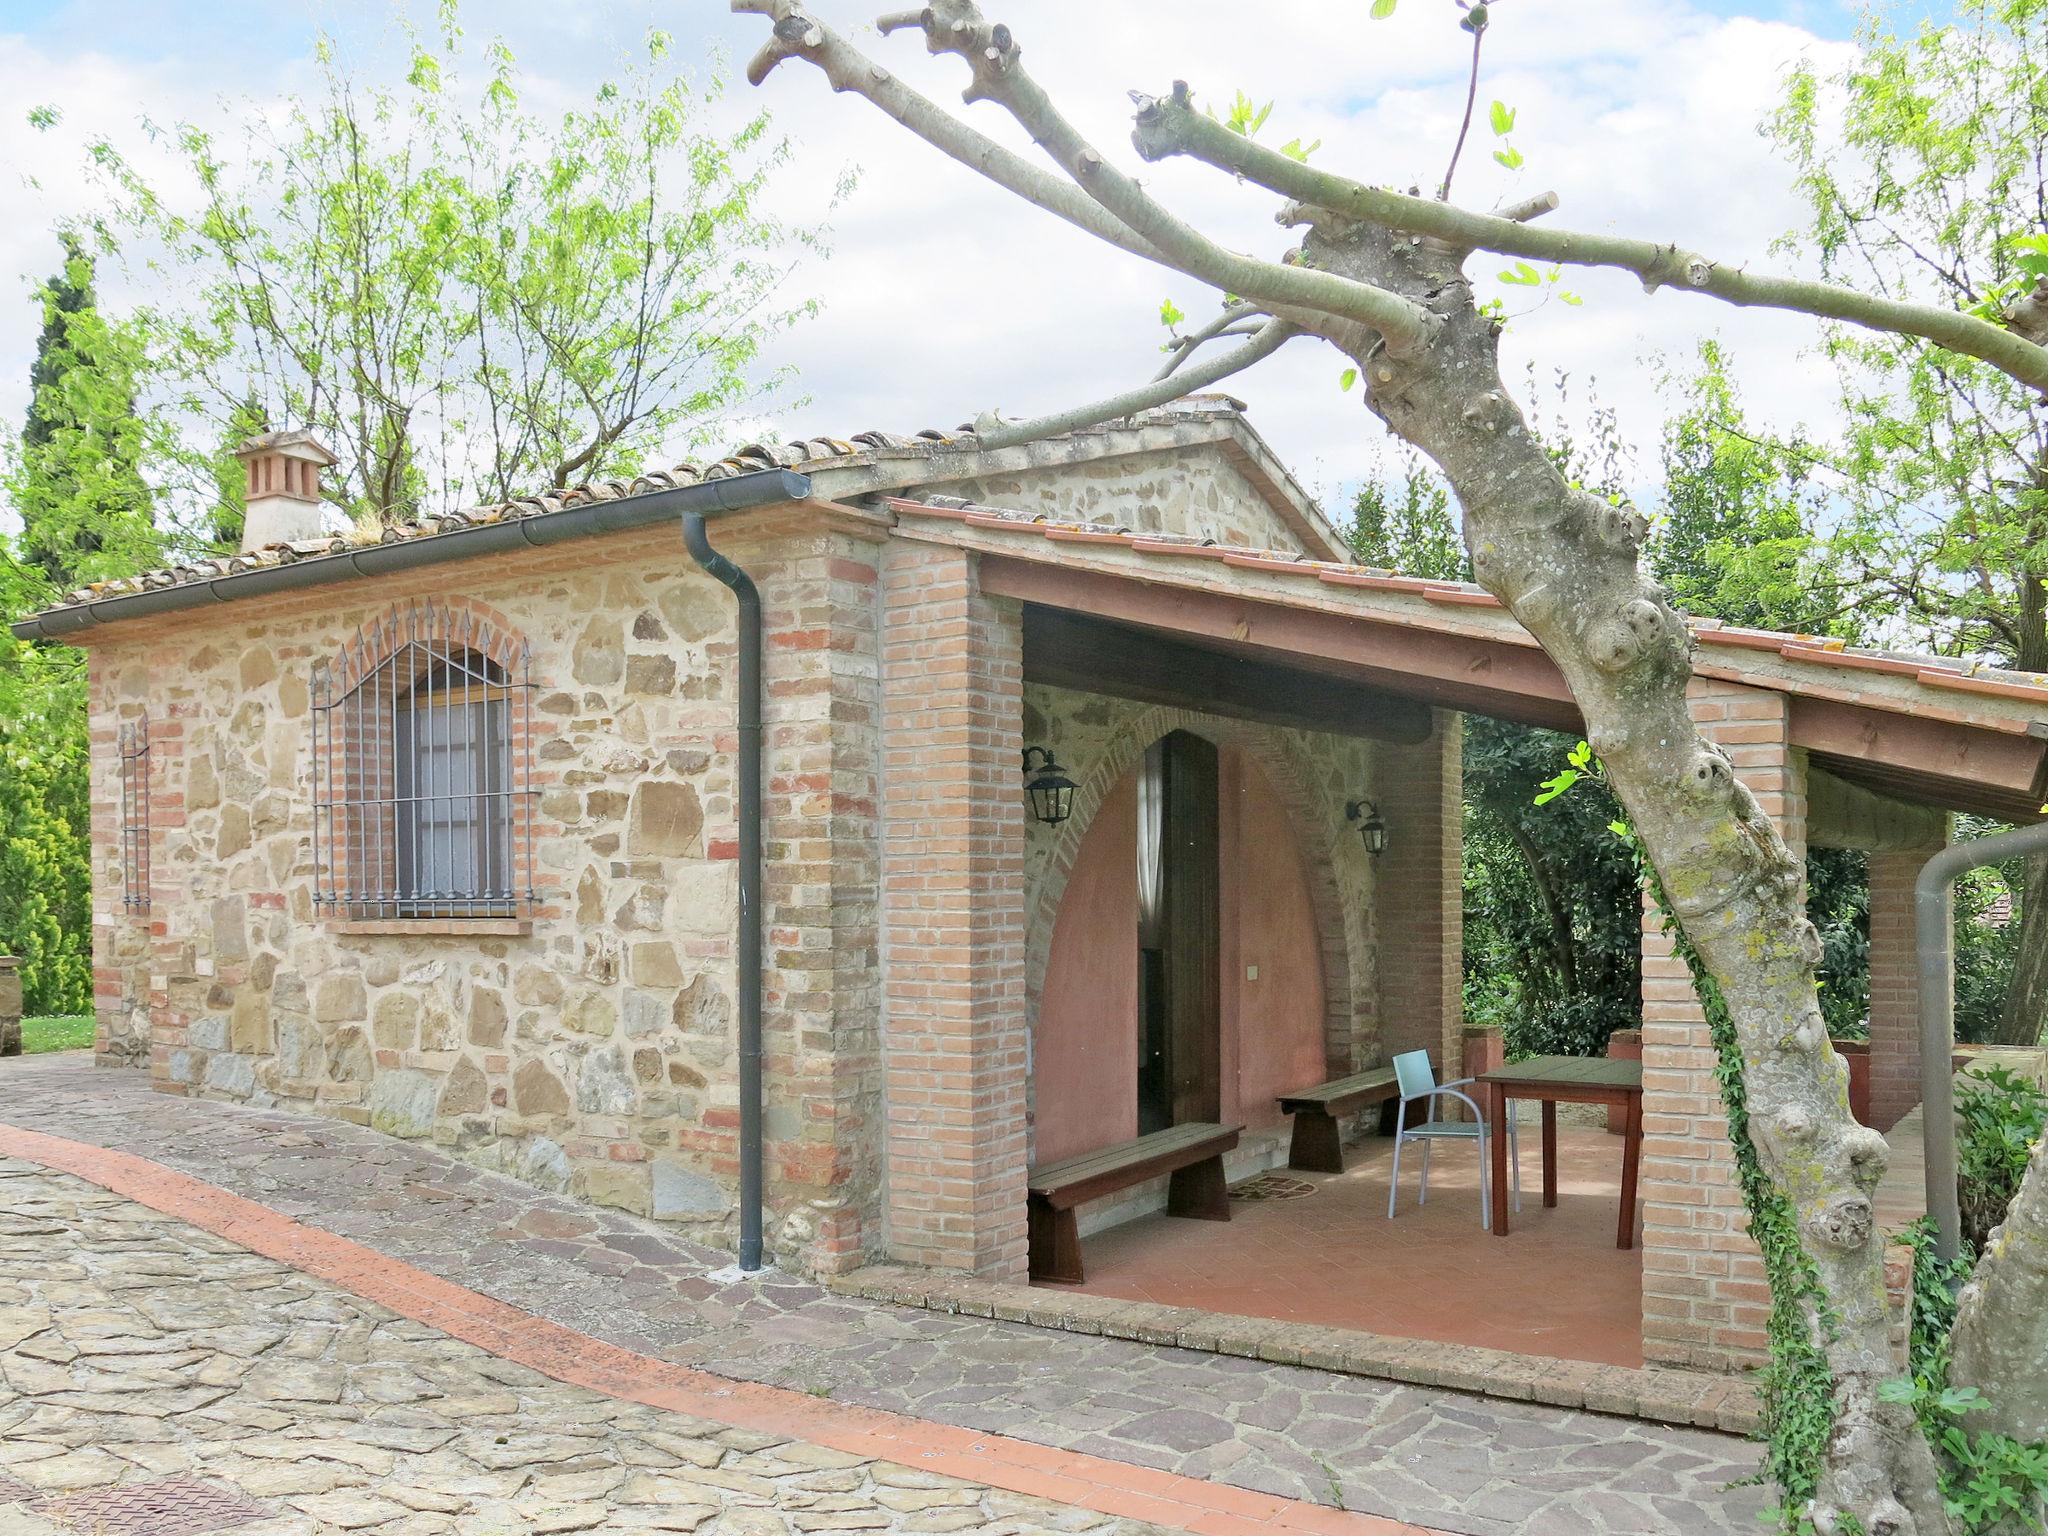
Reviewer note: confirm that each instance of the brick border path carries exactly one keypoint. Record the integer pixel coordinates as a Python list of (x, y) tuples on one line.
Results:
[(1432, 1457), (1018, 1466)]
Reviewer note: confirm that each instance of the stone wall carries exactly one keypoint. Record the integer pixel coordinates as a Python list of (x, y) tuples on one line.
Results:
[(593, 1051), (591, 1048), (121, 946), (1199, 492)]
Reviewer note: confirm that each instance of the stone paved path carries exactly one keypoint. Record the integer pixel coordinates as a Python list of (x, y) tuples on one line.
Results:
[(138, 1349), (1472, 1466)]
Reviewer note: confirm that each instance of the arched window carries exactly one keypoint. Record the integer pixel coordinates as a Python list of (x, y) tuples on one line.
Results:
[(422, 772)]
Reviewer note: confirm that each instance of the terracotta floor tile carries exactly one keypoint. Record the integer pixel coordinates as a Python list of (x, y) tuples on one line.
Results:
[(1556, 1285)]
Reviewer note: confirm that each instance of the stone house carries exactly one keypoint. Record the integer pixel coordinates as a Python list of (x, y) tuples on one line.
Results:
[(444, 834)]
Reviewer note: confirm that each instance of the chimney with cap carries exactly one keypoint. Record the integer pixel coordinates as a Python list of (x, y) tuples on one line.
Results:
[(283, 504)]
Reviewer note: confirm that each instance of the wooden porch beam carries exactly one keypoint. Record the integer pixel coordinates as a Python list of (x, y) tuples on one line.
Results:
[(1514, 682), (1092, 655), (2000, 761)]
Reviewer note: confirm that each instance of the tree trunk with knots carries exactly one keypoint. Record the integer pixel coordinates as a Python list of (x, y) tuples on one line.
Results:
[(1566, 564), (1380, 276), (2001, 1333)]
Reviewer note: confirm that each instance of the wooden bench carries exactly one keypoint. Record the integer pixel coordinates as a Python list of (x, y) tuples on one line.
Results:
[(1192, 1154), (1318, 1142)]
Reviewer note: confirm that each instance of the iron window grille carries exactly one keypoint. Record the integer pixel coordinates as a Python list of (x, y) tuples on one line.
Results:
[(422, 772), (135, 813)]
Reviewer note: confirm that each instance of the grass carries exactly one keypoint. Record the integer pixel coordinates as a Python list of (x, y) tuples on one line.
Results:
[(57, 1032)]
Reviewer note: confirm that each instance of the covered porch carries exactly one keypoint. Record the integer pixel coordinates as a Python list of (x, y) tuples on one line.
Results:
[(1325, 1254), (1305, 698)]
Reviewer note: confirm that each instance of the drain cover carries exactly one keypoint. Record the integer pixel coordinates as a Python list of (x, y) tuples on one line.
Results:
[(1271, 1186), (12, 1492), (172, 1506)]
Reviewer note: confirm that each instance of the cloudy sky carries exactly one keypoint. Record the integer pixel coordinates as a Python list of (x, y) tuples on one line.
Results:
[(945, 297)]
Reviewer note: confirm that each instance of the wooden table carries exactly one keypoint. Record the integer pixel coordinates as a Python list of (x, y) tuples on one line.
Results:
[(1565, 1080)]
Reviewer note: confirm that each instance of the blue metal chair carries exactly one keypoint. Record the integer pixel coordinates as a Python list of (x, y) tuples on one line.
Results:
[(1416, 1080)]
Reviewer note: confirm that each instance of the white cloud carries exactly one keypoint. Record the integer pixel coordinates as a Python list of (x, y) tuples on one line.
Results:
[(948, 297), (945, 296)]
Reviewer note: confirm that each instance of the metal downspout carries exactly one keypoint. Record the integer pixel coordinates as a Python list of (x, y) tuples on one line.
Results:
[(1936, 942), (749, 601)]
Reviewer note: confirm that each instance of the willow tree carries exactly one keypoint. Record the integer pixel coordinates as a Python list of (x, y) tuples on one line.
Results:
[(1380, 276)]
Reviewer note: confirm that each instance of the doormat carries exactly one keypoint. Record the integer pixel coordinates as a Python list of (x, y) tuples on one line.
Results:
[(1271, 1186)]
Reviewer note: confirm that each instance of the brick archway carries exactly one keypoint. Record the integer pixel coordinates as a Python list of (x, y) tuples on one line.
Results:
[(1329, 850)]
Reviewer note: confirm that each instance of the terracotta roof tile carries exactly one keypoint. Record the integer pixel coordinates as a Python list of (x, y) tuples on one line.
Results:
[(800, 454), (1936, 671)]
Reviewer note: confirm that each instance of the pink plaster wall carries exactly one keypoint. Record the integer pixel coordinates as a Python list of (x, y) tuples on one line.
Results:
[(1085, 1050), (1085, 1057), (1275, 1033)]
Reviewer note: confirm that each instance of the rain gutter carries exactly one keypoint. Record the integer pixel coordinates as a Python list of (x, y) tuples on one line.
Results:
[(734, 493)]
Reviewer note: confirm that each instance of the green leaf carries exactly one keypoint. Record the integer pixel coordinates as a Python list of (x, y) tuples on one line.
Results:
[(1510, 157), (1503, 119), (1170, 314), (1570, 298), (1294, 149), (1523, 276), (1620, 829), (1382, 9), (1557, 785), (1347, 379), (1247, 117)]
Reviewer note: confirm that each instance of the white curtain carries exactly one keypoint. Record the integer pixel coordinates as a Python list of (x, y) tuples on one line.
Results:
[(453, 830), (1151, 844)]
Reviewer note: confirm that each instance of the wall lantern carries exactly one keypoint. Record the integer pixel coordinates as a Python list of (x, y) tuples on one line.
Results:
[(1372, 826), (1051, 791)]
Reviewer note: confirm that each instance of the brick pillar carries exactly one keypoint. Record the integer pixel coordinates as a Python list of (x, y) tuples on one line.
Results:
[(1419, 895), (955, 1040), (1895, 986), (1704, 1295), (821, 886)]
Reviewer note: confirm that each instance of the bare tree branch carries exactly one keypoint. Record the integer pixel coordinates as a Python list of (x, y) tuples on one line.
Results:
[(798, 36), (1524, 209), (1170, 126), (992, 55), (1236, 320), (1000, 434), (1443, 192)]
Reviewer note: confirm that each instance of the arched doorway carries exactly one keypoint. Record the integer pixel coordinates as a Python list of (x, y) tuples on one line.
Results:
[(1185, 974)]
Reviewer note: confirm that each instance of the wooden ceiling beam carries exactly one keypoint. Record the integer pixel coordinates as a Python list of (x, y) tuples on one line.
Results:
[(1067, 650)]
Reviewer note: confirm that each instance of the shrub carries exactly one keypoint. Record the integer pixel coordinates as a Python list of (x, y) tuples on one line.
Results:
[(1998, 1119)]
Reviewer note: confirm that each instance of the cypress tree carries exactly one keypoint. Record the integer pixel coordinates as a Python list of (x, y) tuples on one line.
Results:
[(86, 509)]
